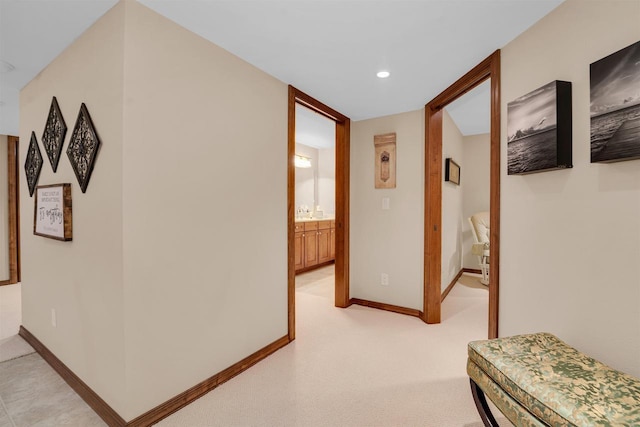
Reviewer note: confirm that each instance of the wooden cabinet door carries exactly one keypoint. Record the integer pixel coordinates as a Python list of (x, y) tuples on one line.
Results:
[(310, 248), (298, 258), (324, 245)]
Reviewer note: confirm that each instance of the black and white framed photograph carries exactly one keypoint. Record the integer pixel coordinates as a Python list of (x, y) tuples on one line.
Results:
[(615, 106), (451, 171), (539, 130)]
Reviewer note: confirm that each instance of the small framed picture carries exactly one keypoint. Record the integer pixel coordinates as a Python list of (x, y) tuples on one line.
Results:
[(52, 215), (452, 171)]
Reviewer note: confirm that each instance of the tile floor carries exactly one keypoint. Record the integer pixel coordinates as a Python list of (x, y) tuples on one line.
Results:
[(33, 394)]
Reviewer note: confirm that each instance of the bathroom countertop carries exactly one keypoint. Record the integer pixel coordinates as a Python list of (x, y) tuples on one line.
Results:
[(326, 218)]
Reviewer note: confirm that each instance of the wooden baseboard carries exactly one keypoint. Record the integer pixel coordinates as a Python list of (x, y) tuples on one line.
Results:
[(161, 411), (386, 307), (183, 399), (455, 280), (96, 403)]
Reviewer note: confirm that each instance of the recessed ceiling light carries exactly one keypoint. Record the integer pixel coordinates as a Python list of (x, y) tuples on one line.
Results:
[(5, 67), (383, 74)]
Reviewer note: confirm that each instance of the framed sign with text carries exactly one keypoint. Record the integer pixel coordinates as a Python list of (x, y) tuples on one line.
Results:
[(52, 215)]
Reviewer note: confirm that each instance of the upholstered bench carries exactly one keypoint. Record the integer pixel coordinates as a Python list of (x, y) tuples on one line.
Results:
[(538, 380)]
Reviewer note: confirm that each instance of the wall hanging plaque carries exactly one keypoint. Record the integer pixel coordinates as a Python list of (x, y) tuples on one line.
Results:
[(52, 214), (54, 133), (83, 147), (385, 162), (451, 171), (33, 164), (539, 130), (615, 106)]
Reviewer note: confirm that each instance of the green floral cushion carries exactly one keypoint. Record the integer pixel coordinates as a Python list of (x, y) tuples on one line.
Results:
[(510, 408), (557, 383)]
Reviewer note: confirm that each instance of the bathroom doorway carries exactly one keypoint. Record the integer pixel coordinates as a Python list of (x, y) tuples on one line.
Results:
[(318, 204)]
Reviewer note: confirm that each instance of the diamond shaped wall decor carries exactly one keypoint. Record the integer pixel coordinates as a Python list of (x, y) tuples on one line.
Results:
[(54, 133), (33, 164), (83, 147)]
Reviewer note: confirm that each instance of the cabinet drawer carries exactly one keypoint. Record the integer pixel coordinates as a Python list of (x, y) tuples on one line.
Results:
[(299, 226), (333, 223), (311, 225), (324, 225)]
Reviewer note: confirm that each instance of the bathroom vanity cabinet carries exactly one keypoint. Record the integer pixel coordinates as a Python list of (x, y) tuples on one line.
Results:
[(314, 244)]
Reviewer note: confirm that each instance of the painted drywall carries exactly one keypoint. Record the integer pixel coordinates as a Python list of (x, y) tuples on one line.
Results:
[(327, 180), (179, 254), (306, 180), (570, 239), (452, 219), (81, 279), (476, 189), (4, 209), (204, 209), (388, 241)]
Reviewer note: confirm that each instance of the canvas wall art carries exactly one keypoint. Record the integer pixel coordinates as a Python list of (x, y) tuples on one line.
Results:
[(539, 130), (615, 106)]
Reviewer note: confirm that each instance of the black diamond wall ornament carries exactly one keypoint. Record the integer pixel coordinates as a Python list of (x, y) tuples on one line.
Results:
[(54, 133), (83, 147), (33, 164)]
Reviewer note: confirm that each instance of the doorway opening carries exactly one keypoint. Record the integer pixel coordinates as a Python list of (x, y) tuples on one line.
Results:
[(9, 212), (466, 151), (321, 234), (434, 111), (315, 209)]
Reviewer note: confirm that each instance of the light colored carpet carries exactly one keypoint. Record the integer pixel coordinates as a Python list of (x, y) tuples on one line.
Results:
[(11, 344), (348, 367), (356, 367)]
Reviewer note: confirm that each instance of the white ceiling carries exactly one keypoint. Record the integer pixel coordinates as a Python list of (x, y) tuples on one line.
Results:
[(327, 48)]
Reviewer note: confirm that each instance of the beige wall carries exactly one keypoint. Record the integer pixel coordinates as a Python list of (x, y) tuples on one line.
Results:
[(452, 196), (306, 178), (476, 189), (82, 279), (178, 265), (204, 208), (388, 241), (570, 239), (4, 209)]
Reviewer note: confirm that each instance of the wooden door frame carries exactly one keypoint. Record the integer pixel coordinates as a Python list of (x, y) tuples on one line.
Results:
[(489, 68), (14, 211), (343, 125)]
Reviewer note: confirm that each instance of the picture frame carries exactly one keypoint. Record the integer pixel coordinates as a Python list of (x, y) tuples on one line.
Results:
[(385, 160), (539, 130), (52, 214), (451, 171), (615, 106)]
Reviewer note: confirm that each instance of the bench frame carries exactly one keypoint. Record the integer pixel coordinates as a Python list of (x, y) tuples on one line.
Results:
[(483, 407)]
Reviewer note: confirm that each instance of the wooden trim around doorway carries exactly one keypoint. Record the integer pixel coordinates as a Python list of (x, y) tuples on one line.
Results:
[(14, 211), (343, 126), (489, 68)]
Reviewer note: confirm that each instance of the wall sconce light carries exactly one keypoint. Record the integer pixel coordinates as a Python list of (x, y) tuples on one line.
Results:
[(302, 161)]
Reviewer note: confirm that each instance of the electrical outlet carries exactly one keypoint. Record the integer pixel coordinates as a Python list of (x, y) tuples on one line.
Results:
[(54, 319), (384, 279)]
